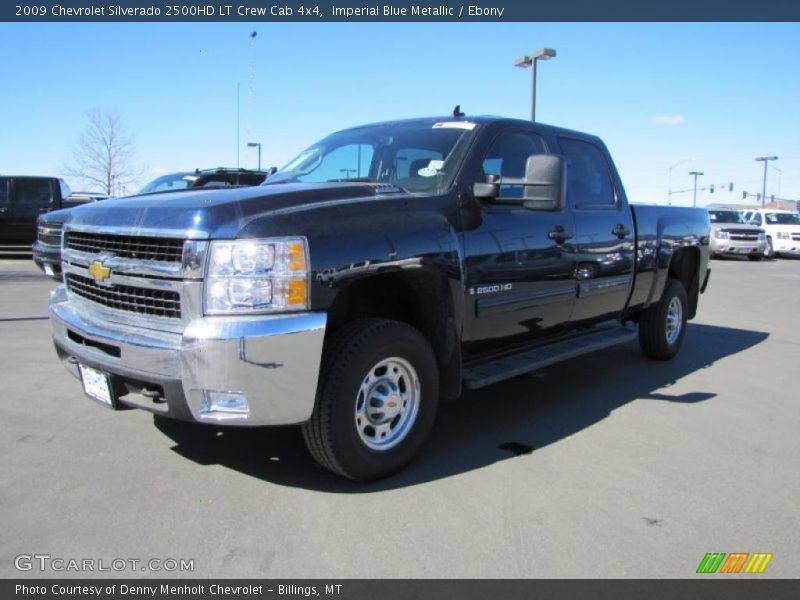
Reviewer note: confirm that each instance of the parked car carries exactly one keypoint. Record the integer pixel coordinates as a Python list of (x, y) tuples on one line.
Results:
[(47, 248), (219, 177), (22, 199), (782, 228), (732, 235), (269, 305)]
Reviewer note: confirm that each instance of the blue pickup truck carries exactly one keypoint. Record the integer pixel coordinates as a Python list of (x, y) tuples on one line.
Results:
[(384, 268)]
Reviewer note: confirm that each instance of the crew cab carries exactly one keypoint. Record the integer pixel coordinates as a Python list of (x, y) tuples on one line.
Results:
[(782, 229), (383, 269), (22, 199)]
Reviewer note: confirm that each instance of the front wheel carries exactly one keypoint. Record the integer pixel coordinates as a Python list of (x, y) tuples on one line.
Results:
[(662, 327), (377, 399), (755, 257), (769, 252)]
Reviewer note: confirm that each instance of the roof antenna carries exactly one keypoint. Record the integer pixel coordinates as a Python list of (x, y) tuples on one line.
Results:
[(457, 111)]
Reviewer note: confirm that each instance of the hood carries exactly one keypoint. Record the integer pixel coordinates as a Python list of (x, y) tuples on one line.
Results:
[(218, 213)]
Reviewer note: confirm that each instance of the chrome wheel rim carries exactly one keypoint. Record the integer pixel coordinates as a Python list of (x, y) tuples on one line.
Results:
[(387, 403), (674, 320)]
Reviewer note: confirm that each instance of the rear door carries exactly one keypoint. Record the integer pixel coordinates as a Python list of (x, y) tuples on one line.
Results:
[(604, 241), (5, 210)]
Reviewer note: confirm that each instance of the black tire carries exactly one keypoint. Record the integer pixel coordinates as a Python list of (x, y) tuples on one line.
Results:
[(656, 338), (335, 437), (755, 257)]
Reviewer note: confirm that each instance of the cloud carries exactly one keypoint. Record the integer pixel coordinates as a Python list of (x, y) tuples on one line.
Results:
[(668, 120)]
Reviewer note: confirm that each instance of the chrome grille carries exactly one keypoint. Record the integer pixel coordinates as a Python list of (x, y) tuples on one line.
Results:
[(126, 246), (146, 301), (49, 235)]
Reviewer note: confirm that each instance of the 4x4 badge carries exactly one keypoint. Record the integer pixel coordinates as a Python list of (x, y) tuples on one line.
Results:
[(99, 271)]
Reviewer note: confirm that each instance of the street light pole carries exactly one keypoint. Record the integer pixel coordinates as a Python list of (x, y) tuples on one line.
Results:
[(669, 179), (256, 145), (696, 175), (765, 160), (530, 61)]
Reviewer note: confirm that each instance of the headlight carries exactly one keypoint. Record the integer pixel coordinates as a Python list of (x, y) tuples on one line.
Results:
[(247, 276), (721, 235), (784, 235)]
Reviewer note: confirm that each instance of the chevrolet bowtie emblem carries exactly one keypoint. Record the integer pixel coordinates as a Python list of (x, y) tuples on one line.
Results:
[(99, 271)]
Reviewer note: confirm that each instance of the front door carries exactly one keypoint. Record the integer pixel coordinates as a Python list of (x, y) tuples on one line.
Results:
[(518, 263)]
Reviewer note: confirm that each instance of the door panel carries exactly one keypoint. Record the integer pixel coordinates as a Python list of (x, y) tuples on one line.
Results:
[(519, 280), (30, 197), (5, 206)]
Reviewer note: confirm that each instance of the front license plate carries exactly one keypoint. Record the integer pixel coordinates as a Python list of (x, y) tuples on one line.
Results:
[(96, 385), (744, 250)]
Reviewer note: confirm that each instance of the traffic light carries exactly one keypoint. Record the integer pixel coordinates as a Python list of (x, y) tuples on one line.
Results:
[(744, 195), (711, 189), (730, 186)]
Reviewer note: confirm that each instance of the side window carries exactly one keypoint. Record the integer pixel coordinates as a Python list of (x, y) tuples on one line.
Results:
[(34, 192), (4, 191), (588, 174), (508, 155), (756, 218)]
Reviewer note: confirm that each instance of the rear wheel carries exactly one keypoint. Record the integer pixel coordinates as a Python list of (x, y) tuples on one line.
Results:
[(662, 327), (377, 399)]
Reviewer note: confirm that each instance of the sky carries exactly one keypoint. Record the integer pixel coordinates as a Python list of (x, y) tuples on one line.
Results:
[(666, 98)]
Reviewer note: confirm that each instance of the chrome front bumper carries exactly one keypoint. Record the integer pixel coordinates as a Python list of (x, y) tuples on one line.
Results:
[(739, 247), (272, 361)]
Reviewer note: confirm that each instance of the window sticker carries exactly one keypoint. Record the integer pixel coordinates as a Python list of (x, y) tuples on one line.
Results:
[(454, 125), (432, 169)]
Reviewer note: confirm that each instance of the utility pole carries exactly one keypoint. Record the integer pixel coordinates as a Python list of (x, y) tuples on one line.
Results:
[(765, 160), (696, 175)]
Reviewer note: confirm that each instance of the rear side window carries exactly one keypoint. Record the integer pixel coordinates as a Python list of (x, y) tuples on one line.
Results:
[(3, 190), (34, 192), (588, 174)]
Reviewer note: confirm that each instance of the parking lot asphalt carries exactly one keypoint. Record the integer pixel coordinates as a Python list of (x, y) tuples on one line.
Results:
[(607, 465)]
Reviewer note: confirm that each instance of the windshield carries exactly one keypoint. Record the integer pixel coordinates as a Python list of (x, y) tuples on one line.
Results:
[(726, 216), (782, 219), (419, 157), (168, 183)]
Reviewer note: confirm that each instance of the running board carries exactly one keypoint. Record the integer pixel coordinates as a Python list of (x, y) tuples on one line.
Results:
[(487, 373)]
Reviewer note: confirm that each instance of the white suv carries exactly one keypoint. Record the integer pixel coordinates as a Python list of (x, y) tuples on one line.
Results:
[(782, 227)]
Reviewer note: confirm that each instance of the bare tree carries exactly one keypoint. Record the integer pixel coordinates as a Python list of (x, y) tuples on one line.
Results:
[(105, 153)]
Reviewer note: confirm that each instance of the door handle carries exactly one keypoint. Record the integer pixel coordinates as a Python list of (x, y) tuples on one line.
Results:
[(620, 231), (559, 235)]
